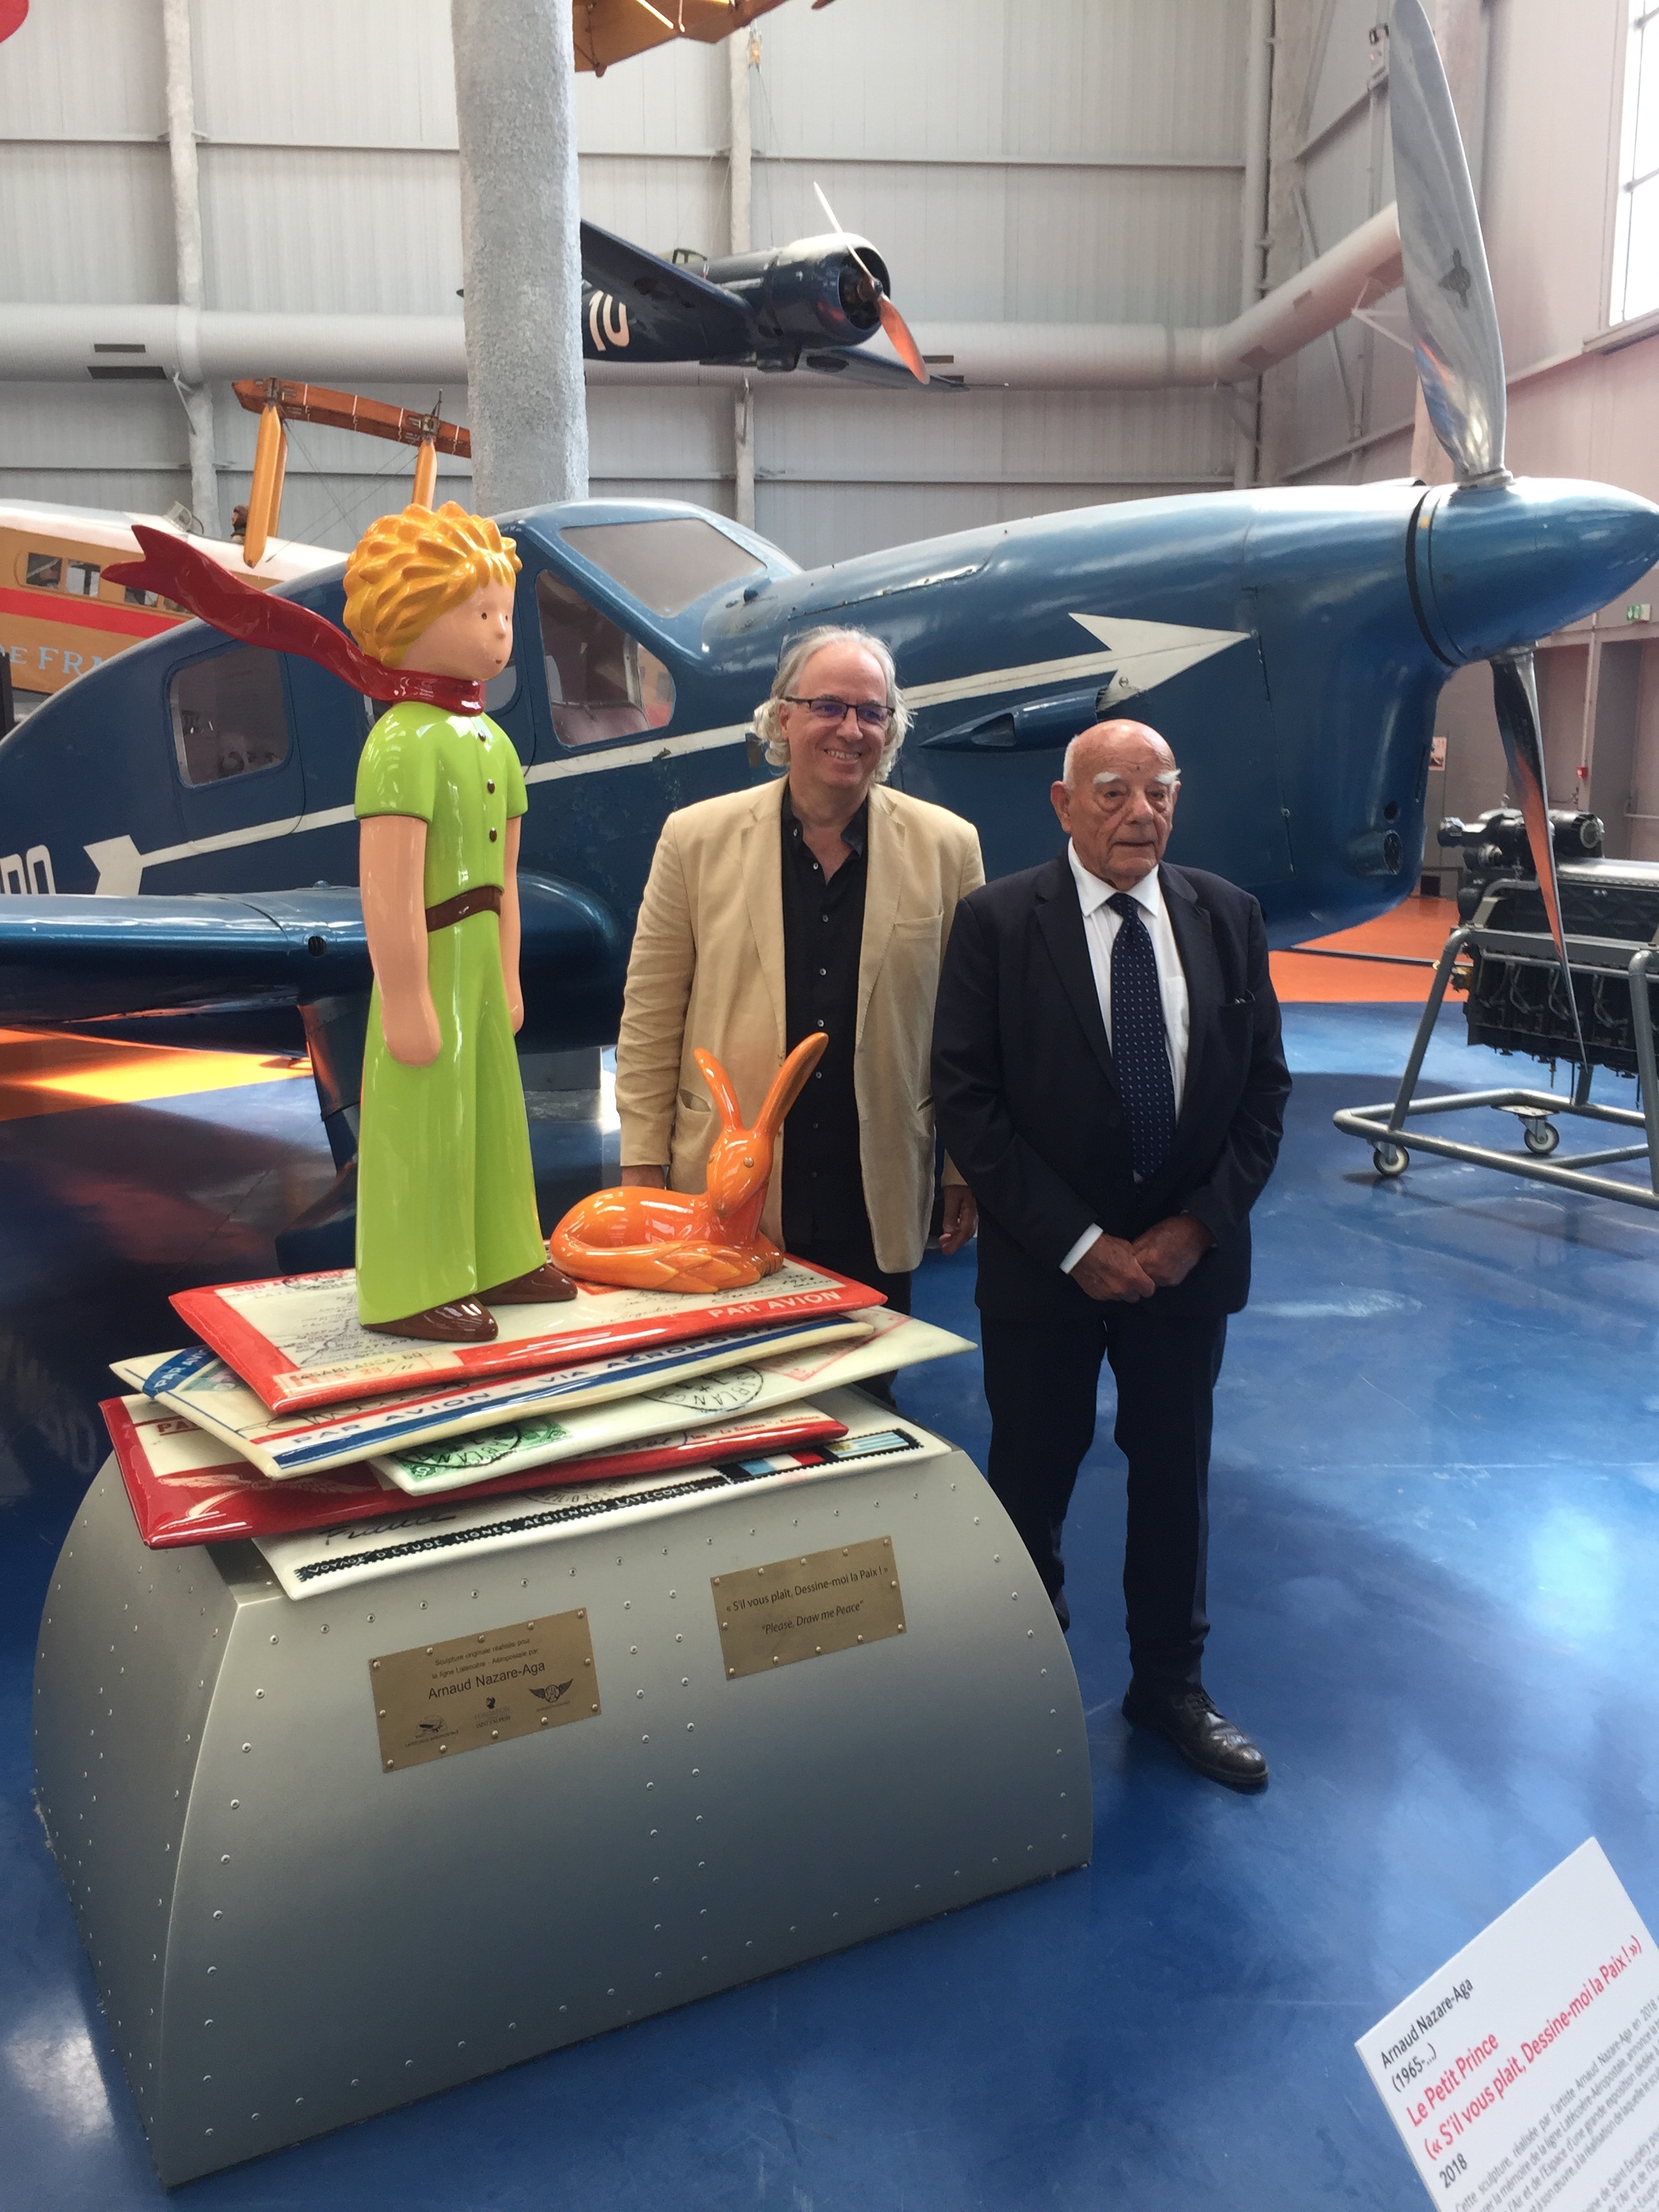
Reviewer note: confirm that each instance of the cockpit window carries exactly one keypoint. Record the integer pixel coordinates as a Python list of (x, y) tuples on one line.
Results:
[(228, 718), (666, 564), (600, 682)]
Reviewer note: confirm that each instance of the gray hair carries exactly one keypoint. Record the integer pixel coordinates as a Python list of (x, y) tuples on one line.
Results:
[(768, 723)]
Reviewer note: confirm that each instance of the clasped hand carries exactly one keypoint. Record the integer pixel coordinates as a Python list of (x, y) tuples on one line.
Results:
[(1113, 1269)]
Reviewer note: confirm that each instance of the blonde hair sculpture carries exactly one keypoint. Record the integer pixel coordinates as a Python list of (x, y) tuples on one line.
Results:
[(407, 569)]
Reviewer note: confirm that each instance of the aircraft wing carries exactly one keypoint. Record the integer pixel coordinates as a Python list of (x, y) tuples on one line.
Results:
[(673, 314), (77, 958), (875, 368)]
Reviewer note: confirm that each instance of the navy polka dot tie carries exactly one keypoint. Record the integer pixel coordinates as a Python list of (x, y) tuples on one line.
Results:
[(1137, 1042)]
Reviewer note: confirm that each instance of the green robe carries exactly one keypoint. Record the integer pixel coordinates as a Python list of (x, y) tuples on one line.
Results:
[(446, 1192)]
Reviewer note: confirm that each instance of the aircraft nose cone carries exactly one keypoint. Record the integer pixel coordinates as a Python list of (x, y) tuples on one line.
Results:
[(1501, 565)]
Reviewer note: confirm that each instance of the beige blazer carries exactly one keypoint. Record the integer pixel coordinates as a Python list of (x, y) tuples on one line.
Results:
[(707, 969)]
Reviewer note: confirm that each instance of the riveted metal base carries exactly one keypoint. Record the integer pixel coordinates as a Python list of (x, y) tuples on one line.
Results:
[(286, 1936)]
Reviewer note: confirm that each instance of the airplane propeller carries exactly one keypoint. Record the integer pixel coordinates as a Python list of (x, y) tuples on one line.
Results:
[(1460, 365), (892, 322)]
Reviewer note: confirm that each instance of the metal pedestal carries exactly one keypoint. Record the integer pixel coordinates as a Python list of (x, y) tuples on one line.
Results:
[(1384, 1126), (287, 1937)]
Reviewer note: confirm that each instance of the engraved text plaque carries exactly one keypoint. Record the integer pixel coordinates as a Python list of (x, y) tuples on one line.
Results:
[(802, 1608), (440, 1698)]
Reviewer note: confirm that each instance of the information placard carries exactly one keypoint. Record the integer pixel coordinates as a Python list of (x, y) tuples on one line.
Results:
[(484, 1688), (800, 1609), (1526, 2072)]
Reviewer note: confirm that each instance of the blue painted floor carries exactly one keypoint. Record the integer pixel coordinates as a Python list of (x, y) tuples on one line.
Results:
[(1435, 1551)]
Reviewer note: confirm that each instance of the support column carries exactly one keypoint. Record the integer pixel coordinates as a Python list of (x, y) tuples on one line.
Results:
[(1294, 59), (742, 446), (743, 51), (521, 251), (187, 252), (1252, 228)]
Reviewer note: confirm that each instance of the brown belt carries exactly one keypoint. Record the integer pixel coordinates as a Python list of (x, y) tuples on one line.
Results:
[(487, 899)]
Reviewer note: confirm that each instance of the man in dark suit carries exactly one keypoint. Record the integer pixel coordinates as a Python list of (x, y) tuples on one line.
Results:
[(1108, 1077)]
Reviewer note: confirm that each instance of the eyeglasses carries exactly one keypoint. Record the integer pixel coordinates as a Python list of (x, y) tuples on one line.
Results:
[(871, 716)]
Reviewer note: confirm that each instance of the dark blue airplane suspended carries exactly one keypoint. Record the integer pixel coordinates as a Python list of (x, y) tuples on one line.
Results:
[(179, 824), (813, 303)]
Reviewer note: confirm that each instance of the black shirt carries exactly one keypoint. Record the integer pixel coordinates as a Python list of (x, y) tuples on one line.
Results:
[(823, 929)]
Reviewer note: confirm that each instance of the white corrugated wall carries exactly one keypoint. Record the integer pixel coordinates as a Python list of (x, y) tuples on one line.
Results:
[(1048, 160)]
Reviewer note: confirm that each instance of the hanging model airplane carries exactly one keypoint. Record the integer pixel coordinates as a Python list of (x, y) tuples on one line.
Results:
[(192, 802), (810, 305), (609, 31)]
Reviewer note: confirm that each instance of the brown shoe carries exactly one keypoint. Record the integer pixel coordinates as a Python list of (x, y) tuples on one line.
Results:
[(463, 1321), (545, 1285)]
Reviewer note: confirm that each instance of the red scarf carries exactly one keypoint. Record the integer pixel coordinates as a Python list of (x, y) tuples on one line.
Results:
[(181, 572)]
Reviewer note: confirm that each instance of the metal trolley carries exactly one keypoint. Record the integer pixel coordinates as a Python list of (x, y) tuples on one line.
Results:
[(1517, 1002)]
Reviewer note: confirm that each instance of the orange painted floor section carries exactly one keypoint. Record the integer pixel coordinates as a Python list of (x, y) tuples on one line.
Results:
[(1418, 926), (44, 1073)]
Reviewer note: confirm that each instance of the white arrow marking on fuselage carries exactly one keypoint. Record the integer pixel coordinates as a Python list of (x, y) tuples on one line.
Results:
[(1149, 653), (121, 866), (1138, 656)]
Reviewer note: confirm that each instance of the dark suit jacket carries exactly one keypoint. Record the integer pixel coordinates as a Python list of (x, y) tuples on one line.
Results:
[(1027, 1101)]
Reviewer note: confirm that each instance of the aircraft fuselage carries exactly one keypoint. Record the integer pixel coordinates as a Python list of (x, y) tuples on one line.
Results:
[(1290, 644)]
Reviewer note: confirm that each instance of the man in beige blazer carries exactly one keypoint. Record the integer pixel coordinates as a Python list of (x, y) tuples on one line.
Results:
[(821, 901)]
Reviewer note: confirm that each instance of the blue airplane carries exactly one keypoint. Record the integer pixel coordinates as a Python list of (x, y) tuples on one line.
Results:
[(811, 304), (180, 820)]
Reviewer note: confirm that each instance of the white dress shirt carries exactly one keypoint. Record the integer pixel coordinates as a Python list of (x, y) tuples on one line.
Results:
[(1100, 927)]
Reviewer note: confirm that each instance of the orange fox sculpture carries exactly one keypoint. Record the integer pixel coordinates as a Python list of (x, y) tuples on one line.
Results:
[(707, 1240)]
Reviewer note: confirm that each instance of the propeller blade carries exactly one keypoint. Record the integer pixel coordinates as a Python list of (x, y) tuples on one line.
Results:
[(1515, 697), (846, 235), (897, 329), (1459, 356), (904, 344)]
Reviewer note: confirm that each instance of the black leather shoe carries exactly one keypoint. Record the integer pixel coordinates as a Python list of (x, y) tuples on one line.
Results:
[(1203, 1737)]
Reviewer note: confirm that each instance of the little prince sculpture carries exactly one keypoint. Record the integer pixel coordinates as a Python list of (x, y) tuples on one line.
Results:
[(447, 1221)]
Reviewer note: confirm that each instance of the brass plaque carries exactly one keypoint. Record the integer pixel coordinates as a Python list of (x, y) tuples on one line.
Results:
[(801, 1608), (442, 1698)]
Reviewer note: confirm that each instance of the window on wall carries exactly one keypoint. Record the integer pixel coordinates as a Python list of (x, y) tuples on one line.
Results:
[(1636, 238)]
